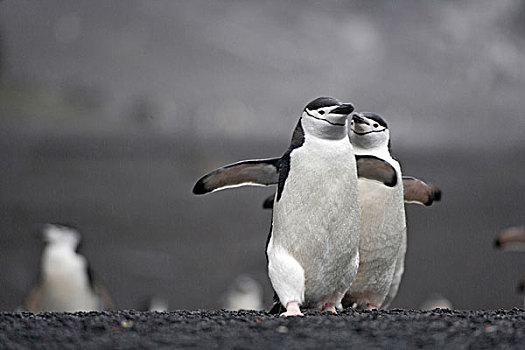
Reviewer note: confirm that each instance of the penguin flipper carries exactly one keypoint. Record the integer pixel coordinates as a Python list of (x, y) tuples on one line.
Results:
[(367, 167), (373, 168), (417, 191), (268, 202), (261, 172)]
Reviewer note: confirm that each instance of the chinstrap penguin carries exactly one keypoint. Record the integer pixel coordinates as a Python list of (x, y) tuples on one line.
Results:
[(512, 239), (383, 237), (383, 228), (436, 301), (65, 282), (156, 303), (312, 249), (245, 293)]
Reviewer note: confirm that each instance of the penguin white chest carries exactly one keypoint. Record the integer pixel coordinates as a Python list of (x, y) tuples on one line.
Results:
[(382, 220), (316, 220), (65, 282)]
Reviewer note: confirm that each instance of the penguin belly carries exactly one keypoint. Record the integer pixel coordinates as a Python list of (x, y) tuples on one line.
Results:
[(313, 249), (382, 235), (65, 286), (66, 295)]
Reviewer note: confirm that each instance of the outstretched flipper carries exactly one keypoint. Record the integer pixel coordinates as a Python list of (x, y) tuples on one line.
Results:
[(374, 168), (416, 191), (262, 172)]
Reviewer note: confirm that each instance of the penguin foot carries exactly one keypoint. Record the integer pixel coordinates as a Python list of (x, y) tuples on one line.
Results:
[(292, 309), (370, 307), (329, 307)]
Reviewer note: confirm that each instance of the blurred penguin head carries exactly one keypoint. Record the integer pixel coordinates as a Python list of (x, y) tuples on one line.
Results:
[(245, 293), (59, 234), (246, 284)]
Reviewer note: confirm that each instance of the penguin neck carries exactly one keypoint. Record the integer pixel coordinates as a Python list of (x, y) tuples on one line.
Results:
[(381, 151), (323, 130), (59, 249), (61, 259)]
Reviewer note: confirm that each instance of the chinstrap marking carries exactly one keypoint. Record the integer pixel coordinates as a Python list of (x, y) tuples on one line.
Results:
[(325, 120)]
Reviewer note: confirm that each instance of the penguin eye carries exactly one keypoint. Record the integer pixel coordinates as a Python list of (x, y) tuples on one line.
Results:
[(376, 125), (321, 112)]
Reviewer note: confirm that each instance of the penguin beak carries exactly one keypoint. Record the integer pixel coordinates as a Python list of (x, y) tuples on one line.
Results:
[(344, 109), (359, 120)]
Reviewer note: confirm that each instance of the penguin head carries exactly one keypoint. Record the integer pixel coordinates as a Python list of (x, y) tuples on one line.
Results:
[(60, 235), (369, 130), (326, 117)]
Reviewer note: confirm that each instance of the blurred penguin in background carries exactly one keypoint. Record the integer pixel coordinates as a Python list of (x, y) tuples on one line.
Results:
[(245, 293), (436, 301), (155, 304), (511, 239), (521, 289), (65, 282)]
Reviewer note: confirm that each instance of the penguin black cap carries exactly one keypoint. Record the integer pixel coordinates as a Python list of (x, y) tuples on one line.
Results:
[(375, 117), (322, 102)]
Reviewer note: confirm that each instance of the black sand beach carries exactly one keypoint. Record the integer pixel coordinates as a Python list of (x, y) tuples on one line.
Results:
[(212, 329)]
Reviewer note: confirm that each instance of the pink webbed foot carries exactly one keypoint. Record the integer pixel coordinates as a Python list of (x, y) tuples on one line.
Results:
[(371, 307), (292, 309), (329, 307)]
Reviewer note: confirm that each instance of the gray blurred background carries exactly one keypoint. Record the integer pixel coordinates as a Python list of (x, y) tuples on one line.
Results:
[(110, 111)]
